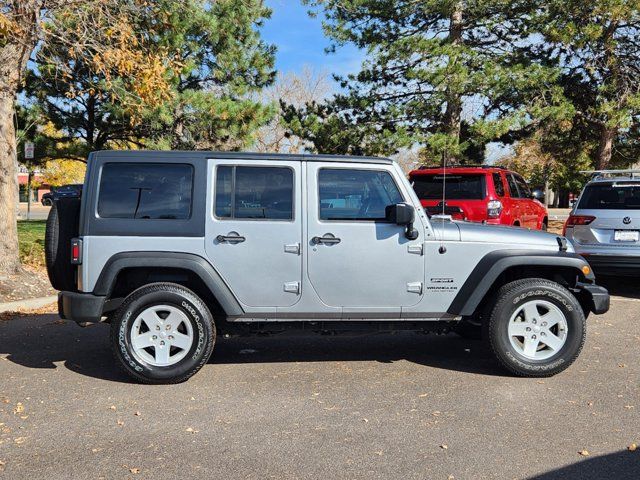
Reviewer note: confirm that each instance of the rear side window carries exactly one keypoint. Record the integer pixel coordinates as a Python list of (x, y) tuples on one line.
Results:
[(498, 185), (616, 196), (513, 188), (523, 188), (254, 193), (457, 187), (145, 191), (350, 194)]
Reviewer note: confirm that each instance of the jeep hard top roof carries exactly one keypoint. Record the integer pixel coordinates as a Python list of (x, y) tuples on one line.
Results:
[(171, 155)]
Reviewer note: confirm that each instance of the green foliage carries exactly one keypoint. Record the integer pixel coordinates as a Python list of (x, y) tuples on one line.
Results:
[(216, 59), (595, 47), (449, 75)]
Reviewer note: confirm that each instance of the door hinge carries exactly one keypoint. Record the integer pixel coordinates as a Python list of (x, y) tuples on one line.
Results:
[(292, 287), (292, 248), (415, 249), (414, 287)]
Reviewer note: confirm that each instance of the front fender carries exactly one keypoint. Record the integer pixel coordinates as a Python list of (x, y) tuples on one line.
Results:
[(492, 265)]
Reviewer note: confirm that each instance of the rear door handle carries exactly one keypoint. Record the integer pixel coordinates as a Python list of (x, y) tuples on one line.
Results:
[(232, 237), (327, 239)]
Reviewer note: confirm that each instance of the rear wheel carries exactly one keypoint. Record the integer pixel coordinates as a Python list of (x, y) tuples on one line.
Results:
[(536, 327), (162, 333)]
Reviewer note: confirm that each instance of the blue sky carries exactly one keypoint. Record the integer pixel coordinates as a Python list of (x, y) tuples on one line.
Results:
[(301, 41)]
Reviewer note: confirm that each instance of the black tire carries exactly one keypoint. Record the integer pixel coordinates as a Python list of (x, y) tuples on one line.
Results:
[(509, 298), (174, 295), (62, 226), (545, 226), (46, 202)]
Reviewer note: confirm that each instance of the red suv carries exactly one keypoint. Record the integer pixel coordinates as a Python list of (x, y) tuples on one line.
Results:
[(480, 194)]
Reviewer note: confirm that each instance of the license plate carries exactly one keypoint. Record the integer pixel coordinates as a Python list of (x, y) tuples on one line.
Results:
[(626, 235)]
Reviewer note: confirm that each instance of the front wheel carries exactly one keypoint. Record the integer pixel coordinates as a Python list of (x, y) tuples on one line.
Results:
[(536, 328), (162, 333)]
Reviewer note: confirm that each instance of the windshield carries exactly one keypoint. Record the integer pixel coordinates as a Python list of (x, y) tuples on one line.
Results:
[(611, 196), (458, 187)]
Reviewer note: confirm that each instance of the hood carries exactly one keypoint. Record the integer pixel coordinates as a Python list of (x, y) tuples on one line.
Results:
[(483, 233)]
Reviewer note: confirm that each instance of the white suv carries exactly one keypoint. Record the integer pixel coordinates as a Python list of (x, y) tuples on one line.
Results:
[(604, 225)]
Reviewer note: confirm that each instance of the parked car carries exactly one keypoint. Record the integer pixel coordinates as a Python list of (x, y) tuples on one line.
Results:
[(604, 225), (63, 191), (483, 193), (179, 249)]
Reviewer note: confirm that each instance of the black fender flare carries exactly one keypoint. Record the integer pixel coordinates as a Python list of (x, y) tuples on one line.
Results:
[(186, 261), (493, 264)]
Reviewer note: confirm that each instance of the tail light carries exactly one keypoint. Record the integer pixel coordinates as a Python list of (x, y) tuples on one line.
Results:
[(76, 251), (494, 208), (574, 220)]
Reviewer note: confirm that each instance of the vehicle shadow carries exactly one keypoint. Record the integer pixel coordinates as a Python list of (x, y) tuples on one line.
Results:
[(628, 287), (619, 465), (449, 352), (46, 342)]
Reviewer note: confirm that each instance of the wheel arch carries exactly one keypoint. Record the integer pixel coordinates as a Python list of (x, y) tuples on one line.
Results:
[(500, 267), (127, 271)]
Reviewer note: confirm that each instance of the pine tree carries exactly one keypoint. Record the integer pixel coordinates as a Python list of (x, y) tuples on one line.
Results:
[(449, 75)]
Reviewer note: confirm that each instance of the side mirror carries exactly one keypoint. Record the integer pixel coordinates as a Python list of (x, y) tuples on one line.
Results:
[(402, 214), (538, 195)]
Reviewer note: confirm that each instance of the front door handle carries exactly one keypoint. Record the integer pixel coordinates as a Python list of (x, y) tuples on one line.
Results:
[(232, 237), (327, 239)]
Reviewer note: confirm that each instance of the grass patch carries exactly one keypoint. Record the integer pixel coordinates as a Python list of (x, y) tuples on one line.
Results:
[(31, 242)]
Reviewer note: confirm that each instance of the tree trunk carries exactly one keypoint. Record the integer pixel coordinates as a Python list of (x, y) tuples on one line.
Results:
[(13, 60), (453, 113), (605, 147), (9, 256)]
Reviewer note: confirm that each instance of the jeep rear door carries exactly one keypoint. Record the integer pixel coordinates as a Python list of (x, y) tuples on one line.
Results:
[(254, 229), (358, 261)]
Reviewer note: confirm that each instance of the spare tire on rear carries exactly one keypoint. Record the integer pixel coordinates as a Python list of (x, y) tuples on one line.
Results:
[(62, 226)]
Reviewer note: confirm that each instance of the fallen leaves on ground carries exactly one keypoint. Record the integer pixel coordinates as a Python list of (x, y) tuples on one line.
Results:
[(584, 453), (632, 447), (191, 430), (135, 471), (444, 446), (19, 409)]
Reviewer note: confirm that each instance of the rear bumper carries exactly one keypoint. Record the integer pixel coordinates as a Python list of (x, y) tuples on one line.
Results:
[(80, 307), (613, 264)]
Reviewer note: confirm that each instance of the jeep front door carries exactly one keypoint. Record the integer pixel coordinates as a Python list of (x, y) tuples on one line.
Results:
[(356, 259), (254, 230)]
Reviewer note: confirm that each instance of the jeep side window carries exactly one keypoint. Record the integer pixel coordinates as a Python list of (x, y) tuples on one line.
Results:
[(498, 185), (350, 194), (254, 192), (145, 191)]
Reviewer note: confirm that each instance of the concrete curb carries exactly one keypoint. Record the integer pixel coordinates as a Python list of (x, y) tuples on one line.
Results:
[(27, 304)]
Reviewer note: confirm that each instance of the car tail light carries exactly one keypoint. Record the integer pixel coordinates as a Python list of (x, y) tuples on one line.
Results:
[(494, 208), (574, 220), (76, 251)]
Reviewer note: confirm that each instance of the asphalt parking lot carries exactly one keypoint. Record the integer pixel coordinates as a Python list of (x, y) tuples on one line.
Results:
[(376, 406)]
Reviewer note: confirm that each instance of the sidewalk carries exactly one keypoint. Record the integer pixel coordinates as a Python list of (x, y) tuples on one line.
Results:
[(38, 211), (559, 213), (28, 304)]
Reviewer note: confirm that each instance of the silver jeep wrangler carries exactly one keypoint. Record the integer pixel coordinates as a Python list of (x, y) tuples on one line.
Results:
[(175, 249)]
